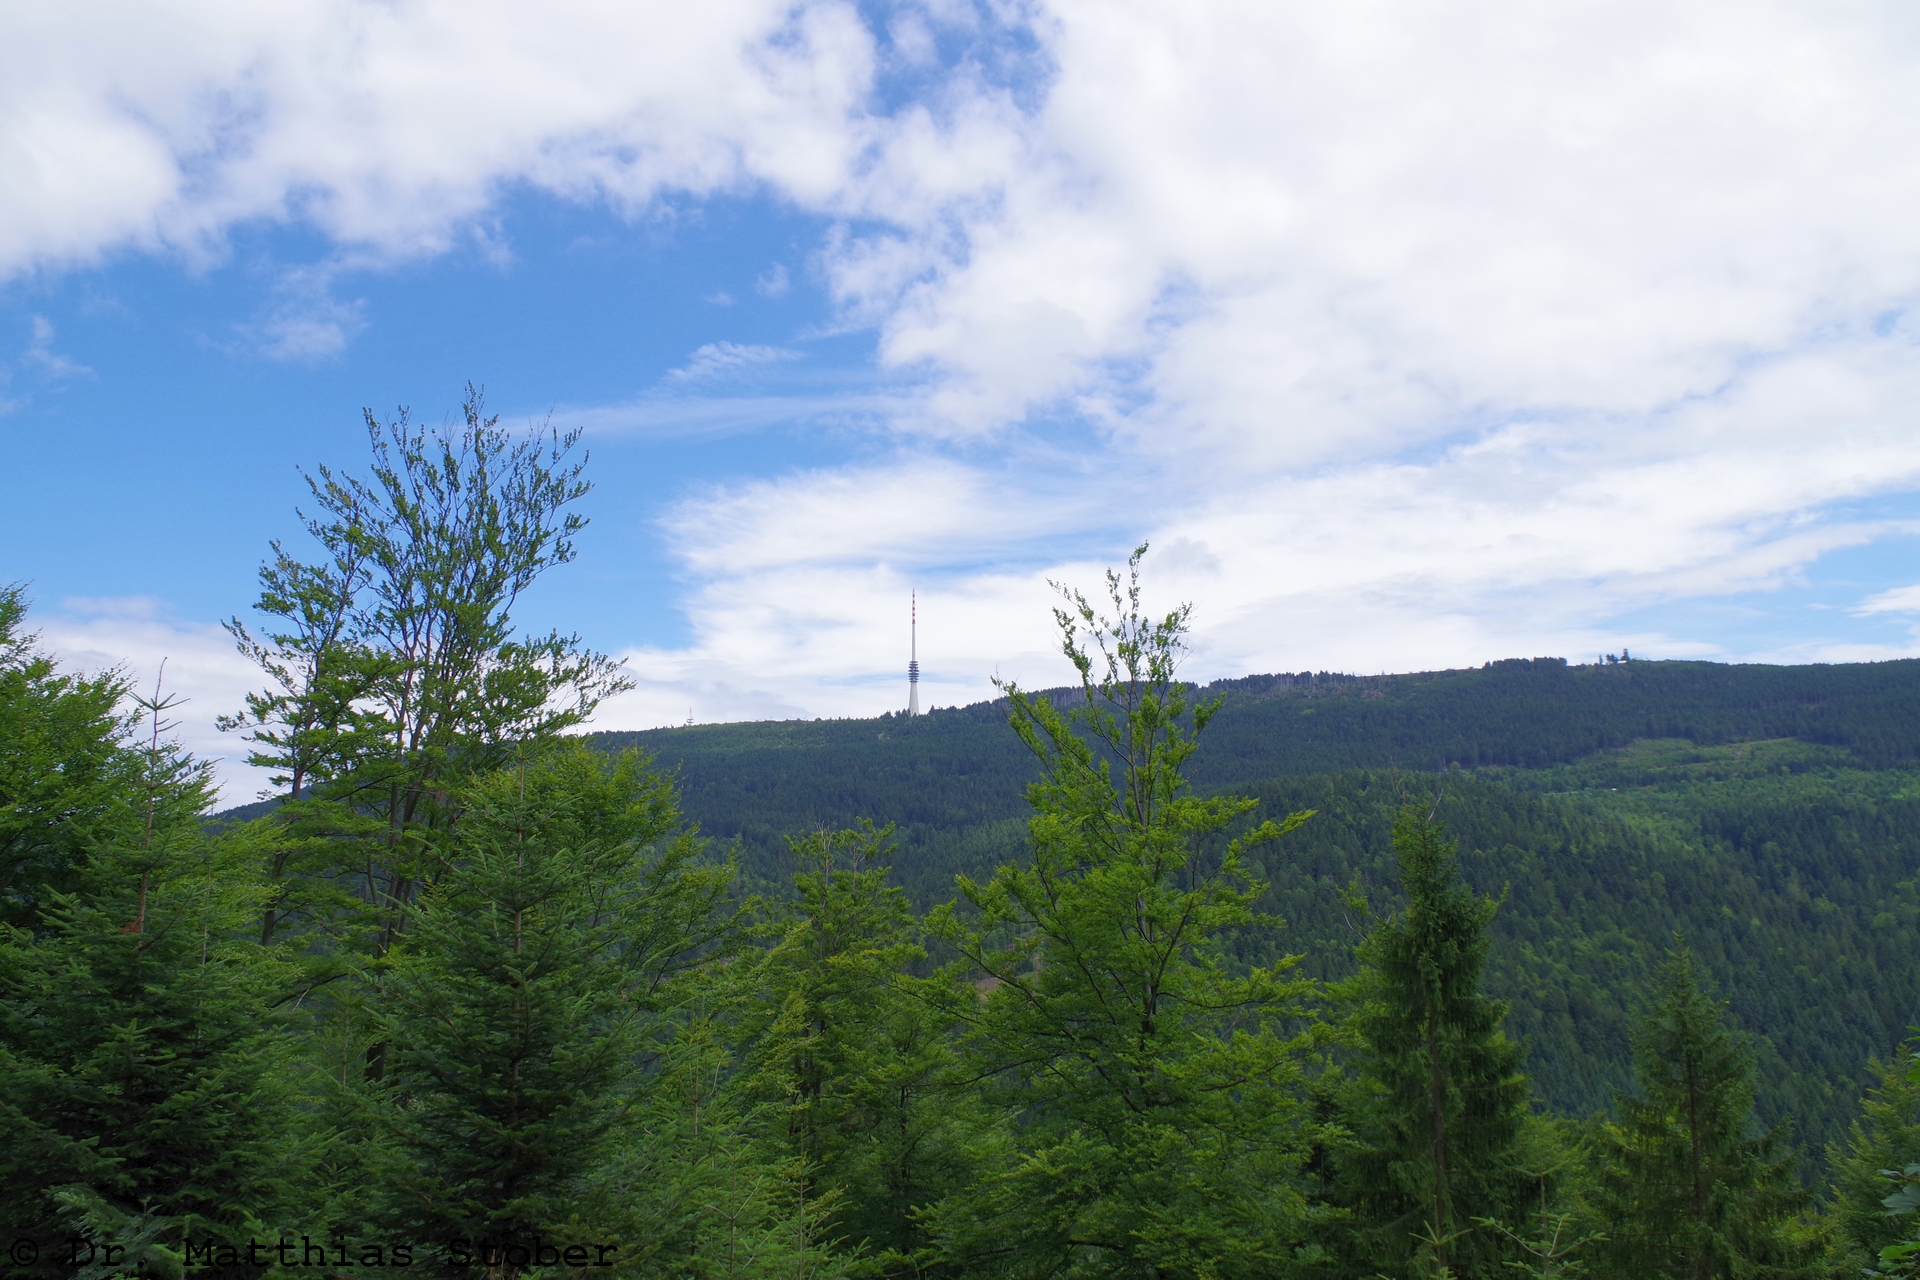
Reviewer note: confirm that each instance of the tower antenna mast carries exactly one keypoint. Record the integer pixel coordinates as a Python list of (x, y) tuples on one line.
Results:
[(913, 656)]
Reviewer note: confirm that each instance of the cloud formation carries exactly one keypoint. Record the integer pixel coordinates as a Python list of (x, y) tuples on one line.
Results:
[(1898, 600), (1412, 335), (1431, 338), (392, 127), (41, 356), (717, 359), (135, 636)]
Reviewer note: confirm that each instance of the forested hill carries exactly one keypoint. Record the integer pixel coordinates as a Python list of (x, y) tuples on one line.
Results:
[(480, 988), (1767, 812), (1771, 814), (961, 767)]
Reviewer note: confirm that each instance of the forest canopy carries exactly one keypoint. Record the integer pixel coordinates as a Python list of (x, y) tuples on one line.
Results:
[(1534, 969)]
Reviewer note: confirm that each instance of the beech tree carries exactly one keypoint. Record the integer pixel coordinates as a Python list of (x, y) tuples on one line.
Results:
[(394, 666), (1156, 1118)]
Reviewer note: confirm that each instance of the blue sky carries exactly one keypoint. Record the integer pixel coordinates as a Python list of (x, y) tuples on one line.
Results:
[(161, 461), (1408, 342)]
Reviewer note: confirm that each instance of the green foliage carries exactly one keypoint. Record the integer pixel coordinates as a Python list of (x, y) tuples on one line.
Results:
[(1777, 871), (1557, 1238), (472, 981), (1790, 865), (145, 1087), (535, 976), (705, 1190), (394, 665), (1686, 1191), (1884, 1139), (1156, 1096), (858, 1055), (71, 777), (146, 1083), (1439, 1106), (1901, 1257)]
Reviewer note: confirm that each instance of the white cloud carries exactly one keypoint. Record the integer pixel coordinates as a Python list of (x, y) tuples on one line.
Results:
[(1414, 335), (135, 634), (1898, 600), (826, 641), (1310, 231), (686, 417), (773, 283), (306, 322), (41, 355), (392, 126), (914, 512), (716, 359)]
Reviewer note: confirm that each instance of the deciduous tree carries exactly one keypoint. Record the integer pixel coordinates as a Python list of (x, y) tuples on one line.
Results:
[(1154, 1091), (394, 664)]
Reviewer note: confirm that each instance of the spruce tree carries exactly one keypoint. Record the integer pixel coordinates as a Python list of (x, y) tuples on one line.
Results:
[(1688, 1191), (857, 1057), (1154, 1089), (527, 997), (145, 1083), (1439, 1106), (70, 775), (1886, 1136)]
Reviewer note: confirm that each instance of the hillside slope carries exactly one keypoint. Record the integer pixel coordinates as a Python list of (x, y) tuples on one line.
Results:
[(955, 769), (1771, 814)]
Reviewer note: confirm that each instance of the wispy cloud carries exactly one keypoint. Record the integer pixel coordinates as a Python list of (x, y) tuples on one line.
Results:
[(41, 355), (1898, 600), (717, 359), (773, 283), (144, 608), (306, 322), (671, 417)]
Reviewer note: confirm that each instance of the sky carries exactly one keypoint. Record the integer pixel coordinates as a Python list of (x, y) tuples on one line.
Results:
[(1408, 336)]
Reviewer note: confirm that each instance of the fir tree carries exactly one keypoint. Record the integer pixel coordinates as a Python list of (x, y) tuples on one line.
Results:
[(528, 995), (145, 1084), (703, 1187), (1439, 1107), (858, 1055), (1886, 1136), (1687, 1193), (70, 774)]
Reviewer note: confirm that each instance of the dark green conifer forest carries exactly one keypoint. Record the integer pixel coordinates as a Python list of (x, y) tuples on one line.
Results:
[(1536, 969)]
